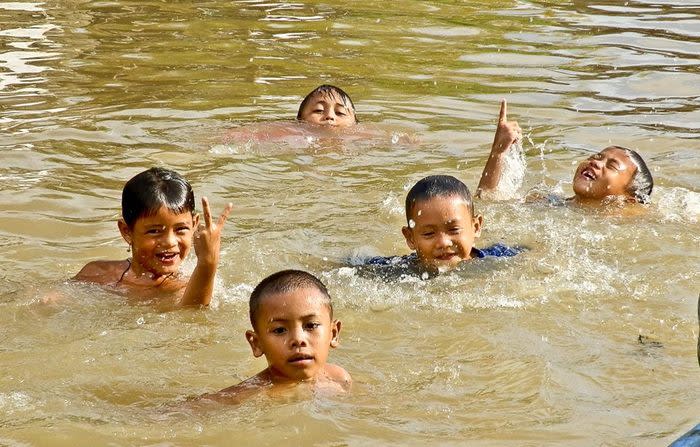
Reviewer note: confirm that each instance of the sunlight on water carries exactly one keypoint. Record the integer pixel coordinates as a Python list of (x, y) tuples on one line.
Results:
[(588, 337)]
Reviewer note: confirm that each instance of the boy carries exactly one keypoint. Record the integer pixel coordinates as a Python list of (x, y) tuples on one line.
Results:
[(442, 228), (614, 173), (293, 327), (160, 226), (327, 105)]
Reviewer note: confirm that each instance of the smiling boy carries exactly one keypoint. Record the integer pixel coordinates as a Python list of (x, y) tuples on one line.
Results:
[(441, 227), (293, 327)]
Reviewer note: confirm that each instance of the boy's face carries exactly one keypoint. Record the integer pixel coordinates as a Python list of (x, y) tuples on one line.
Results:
[(294, 331), (607, 173), (159, 242), (328, 110), (442, 231)]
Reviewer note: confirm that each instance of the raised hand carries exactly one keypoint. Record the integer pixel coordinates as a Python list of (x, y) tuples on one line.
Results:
[(207, 237), (507, 132), (207, 245)]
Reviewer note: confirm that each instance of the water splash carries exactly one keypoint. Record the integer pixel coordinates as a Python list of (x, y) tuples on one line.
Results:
[(513, 173)]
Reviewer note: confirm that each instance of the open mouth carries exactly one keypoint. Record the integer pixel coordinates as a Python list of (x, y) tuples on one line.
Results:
[(167, 257), (588, 173)]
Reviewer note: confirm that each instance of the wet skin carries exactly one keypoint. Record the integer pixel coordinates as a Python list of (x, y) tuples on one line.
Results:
[(328, 110), (160, 242), (607, 173), (295, 332), (442, 231)]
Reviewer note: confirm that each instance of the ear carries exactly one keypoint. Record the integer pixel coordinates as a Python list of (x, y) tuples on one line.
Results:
[(125, 231), (254, 343), (408, 234), (195, 220), (335, 332), (477, 222)]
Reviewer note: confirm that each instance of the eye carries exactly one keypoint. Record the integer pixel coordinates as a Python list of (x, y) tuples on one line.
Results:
[(310, 326), (318, 111), (153, 231), (182, 230), (596, 157), (341, 113), (428, 234), (614, 165), (279, 330), (455, 230)]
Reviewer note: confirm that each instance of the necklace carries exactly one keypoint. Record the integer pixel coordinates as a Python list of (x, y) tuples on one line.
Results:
[(128, 266)]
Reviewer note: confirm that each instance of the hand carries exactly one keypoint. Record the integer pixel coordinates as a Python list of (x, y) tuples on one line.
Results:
[(207, 237), (507, 132)]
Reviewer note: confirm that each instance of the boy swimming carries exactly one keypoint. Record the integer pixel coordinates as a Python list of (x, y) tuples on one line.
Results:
[(614, 173), (293, 327), (441, 228), (327, 105), (322, 113), (160, 226)]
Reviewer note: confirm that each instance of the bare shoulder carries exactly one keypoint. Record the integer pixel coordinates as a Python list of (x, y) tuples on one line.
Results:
[(338, 374), (238, 393), (102, 272)]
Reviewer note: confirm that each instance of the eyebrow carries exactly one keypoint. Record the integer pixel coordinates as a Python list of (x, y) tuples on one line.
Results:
[(303, 317)]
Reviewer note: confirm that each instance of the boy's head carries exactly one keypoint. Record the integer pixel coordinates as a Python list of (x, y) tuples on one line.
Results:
[(441, 222), (329, 106), (158, 220), (293, 324), (151, 190), (614, 171)]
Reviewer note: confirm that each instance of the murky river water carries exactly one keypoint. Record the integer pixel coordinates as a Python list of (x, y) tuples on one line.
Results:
[(541, 349)]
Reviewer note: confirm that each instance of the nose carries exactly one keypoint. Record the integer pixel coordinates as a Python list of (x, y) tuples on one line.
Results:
[(597, 163), (169, 239), (298, 337), (443, 240), (329, 115)]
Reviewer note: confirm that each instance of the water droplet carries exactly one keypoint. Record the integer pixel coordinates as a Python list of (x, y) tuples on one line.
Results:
[(140, 321), (411, 223)]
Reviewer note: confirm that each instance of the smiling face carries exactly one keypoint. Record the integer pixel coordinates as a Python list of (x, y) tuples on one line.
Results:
[(442, 231), (295, 331), (159, 242), (607, 173), (328, 109)]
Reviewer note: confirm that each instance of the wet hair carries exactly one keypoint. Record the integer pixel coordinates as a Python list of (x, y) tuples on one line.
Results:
[(150, 190), (642, 183), (328, 91), (437, 186), (285, 281)]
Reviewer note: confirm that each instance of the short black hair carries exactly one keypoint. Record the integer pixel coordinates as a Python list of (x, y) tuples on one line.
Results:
[(150, 190), (285, 281), (437, 186), (642, 183), (328, 90)]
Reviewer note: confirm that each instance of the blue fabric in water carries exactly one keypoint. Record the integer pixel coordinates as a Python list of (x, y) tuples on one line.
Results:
[(497, 250), (690, 439)]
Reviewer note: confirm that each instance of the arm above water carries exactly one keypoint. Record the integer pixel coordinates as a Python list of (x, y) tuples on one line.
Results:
[(507, 134), (207, 246)]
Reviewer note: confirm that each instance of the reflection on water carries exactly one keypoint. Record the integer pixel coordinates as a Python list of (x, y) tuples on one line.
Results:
[(540, 349)]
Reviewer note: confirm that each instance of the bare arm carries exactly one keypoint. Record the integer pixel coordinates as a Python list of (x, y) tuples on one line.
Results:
[(207, 246), (507, 133)]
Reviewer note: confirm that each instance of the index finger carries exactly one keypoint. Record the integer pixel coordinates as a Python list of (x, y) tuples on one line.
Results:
[(502, 116), (207, 212)]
